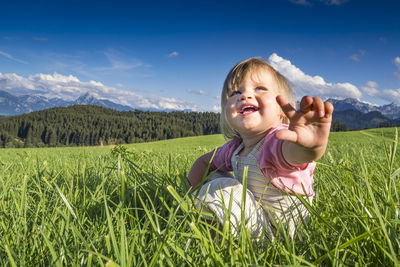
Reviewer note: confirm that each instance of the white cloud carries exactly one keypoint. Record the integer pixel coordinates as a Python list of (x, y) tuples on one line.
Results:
[(397, 63), (301, 2), (358, 55), (199, 92), (216, 108), (42, 39), (118, 62), (370, 88), (2, 53), (304, 84), (334, 2), (326, 2), (354, 57), (390, 95), (173, 54), (70, 88)]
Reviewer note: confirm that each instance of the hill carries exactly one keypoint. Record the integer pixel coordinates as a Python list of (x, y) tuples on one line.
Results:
[(14, 105), (356, 114), (355, 119), (94, 125), (391, 111)]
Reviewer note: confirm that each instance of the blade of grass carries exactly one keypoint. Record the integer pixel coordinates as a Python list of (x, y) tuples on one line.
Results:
[(10, 256), (111, 228), (377, 212), (64, 199), (347, 244)]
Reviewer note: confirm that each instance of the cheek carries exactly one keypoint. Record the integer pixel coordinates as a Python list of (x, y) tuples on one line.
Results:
[(230, 107), (229, 117), (275, 110)]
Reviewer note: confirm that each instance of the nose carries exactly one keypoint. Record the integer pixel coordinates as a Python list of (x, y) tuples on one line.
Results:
[(246, 94)]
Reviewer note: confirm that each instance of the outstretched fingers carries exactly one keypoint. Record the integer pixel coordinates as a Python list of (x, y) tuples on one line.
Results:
[(315, 104), (318, 106), (328, 109), (310, 109), (286, 107), (306, 104)]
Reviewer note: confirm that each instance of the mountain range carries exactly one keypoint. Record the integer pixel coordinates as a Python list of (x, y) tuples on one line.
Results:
[(11, 105), (360, 115), (391, 111), (354, 113)]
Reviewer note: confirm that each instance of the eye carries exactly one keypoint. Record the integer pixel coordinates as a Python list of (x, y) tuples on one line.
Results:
[(261, 88), (235, 93)]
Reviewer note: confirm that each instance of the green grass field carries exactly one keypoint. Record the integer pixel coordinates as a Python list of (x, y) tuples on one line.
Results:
[(126, 206)]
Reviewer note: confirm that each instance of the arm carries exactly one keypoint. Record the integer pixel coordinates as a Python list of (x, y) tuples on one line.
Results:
[(198, 169), (307, 137)]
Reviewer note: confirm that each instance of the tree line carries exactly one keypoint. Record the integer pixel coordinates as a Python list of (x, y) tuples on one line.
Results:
[(93, 125), (87, 125)]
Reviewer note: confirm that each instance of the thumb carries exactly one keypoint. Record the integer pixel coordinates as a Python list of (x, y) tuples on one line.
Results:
[(286, 135)]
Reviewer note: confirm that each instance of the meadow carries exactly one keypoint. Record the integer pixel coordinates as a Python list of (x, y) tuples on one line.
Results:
[(128, 206)]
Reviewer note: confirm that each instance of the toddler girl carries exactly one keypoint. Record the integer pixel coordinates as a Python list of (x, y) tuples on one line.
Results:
[(271, 140)]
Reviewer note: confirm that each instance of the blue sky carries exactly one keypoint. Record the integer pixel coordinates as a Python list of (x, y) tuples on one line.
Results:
[(176, 54)]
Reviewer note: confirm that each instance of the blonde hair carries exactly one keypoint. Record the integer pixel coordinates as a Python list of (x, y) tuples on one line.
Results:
[(235, 78)]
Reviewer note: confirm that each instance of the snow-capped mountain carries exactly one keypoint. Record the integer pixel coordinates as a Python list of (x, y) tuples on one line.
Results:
[(351, 103), (15, 105), (391, 111), (90, 99)]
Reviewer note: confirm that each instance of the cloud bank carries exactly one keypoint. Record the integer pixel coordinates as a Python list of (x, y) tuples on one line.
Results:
[(70, 88), (390, 95), (304, 84)]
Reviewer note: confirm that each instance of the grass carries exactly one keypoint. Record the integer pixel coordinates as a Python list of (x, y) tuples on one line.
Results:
[(126, 206)]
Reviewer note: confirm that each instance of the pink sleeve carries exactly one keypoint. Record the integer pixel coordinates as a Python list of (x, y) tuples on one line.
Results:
[(282, 174), (223, 155)]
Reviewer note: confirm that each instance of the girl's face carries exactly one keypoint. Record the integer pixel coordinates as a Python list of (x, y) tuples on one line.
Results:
[(252, 109)]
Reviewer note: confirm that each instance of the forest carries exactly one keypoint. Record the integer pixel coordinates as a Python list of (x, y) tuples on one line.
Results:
[(88, 125), (93, 125)]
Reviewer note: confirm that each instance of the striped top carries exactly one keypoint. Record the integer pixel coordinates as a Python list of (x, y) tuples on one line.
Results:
[(268, 157), (262, 189)]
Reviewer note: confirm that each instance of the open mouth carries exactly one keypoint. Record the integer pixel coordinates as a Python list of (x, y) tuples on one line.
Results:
[(247, 109)]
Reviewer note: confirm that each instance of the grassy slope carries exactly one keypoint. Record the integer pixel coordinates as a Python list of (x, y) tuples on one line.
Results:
[(87, 205)]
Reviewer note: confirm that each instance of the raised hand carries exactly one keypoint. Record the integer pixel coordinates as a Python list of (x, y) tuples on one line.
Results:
[(308, 129)]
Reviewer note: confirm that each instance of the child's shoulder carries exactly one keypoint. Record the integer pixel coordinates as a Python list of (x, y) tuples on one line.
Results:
[(232, 144), (272, 146), (271, 133)]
